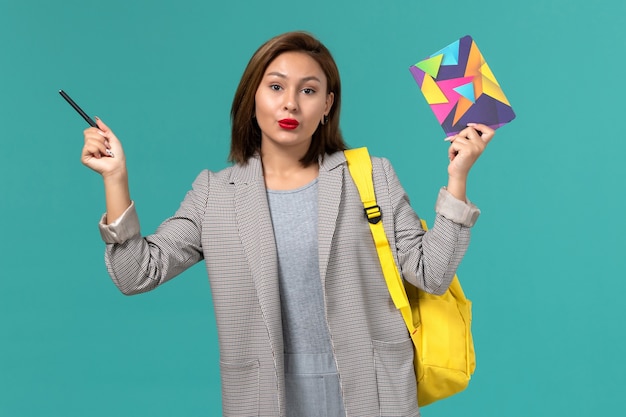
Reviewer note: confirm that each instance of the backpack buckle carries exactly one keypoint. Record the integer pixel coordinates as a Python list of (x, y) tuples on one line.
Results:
[(373, 214)]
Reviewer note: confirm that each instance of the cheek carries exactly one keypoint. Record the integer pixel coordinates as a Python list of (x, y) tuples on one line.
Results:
[(263, 101), (263, 111)]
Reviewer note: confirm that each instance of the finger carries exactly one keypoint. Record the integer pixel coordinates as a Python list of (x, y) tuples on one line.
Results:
[(108, 133), (452, 153), (466, 134), (101, 125), (94, 147), (487, 133), (461, 135), (90, 155), (96, 134), (469, 133), (456, 147)]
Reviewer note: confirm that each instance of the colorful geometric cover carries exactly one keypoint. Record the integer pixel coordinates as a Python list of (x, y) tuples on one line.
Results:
[(460, 88)]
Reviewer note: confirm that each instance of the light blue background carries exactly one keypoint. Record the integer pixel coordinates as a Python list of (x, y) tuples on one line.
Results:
[(544, 270)]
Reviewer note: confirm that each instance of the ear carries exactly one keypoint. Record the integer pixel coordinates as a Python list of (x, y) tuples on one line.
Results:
[(330, 99)]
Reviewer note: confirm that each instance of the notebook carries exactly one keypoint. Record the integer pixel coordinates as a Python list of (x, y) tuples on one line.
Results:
[(460, 88)]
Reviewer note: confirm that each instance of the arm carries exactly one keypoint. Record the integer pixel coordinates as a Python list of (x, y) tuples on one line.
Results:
[(139, 264), (430, 259)]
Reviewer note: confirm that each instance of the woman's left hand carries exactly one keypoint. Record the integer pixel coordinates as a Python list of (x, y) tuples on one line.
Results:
[(465, 148)]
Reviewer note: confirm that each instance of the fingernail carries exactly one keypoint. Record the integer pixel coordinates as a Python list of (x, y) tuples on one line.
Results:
[(471, 124), (97, 118), (110, 153), (449, 139)]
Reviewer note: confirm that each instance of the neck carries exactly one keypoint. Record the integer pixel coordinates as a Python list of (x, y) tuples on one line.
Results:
[(279, 158), (283, 170)]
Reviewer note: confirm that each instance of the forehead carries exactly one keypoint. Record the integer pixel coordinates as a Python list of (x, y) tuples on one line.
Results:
[(295, 65)]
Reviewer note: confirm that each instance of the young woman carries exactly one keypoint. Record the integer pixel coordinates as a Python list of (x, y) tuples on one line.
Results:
[(305, 322)]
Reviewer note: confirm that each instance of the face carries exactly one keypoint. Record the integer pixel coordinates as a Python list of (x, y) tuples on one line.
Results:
[(291, 101)]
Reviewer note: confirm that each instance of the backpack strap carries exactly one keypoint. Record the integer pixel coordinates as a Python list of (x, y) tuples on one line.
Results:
[(360, 166)]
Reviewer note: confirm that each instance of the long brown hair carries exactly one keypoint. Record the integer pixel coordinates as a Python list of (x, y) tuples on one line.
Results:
[(245, 131)]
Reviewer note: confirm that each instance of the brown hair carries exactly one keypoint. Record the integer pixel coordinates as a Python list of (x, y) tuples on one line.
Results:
[(245, 132)]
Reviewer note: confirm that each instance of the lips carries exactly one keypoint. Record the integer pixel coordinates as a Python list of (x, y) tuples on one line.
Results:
[(288, 124)]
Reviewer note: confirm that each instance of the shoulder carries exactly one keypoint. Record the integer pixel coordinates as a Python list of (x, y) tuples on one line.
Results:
[(248, 173), (382, 166), (215, 176), (381, 162), (338, 158), (204, 176), (210, 179), (385, 177)]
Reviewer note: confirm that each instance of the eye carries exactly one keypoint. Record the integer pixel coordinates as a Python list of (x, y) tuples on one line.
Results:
[(308, 91), (275, 87)]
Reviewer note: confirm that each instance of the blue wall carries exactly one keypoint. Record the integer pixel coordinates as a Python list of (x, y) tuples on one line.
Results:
[(547, 257)]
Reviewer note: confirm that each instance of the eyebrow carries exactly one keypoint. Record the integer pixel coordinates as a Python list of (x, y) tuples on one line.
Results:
[(281, 75)]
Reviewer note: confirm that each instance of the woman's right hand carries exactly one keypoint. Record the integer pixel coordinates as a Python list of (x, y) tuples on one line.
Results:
[(111, 165), (102, 151)]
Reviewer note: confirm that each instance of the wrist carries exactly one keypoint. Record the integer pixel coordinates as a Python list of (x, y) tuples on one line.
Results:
[(457, 187), (116, 177)]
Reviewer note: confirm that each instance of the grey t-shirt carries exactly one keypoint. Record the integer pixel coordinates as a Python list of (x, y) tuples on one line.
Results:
[(312, 383), (294, 217)]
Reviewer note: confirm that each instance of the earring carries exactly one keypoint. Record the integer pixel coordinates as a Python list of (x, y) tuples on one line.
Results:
[(325, 119)]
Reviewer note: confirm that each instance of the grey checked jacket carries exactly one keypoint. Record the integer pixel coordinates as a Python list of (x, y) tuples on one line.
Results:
[(225, 220)]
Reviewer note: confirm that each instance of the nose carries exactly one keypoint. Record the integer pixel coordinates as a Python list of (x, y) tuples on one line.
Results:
[(290, 101)]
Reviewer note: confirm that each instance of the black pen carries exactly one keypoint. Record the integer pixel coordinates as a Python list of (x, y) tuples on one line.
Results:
[(82, 113), (78, 109)]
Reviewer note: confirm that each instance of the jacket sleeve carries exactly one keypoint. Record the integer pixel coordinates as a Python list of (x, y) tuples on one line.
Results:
[(138, 264), (429, 260)]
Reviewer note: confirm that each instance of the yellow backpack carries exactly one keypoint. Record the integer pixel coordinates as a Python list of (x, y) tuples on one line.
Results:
[(439, 325)]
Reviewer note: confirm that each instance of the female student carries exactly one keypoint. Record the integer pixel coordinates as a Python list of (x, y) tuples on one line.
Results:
[(305, 322)]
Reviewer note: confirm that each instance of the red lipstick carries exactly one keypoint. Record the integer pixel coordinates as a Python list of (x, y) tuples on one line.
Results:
[(289, 124)]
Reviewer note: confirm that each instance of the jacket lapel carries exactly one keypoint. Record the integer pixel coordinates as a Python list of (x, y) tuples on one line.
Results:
[(257, 236), (331, 177)]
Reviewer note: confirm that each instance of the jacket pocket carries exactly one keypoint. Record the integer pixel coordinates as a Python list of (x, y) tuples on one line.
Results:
[(240, 388), (395, 376)]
